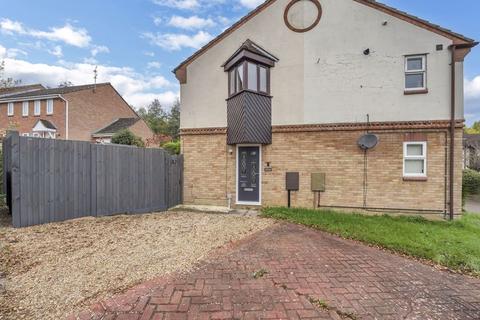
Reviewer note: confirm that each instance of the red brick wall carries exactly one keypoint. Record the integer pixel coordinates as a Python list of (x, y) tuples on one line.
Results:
[(26, 124), (90, 111)]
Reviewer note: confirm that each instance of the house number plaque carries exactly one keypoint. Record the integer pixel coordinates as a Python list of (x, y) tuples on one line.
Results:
[(302, 15)]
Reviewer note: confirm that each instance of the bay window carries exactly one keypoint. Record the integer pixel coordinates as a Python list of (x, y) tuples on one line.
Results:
[(249, 76)]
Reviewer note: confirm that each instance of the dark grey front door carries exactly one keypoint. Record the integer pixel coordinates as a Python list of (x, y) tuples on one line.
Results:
[(248, 174)]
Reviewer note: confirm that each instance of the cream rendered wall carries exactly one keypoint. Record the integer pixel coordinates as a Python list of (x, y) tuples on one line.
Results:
[(323, 75)]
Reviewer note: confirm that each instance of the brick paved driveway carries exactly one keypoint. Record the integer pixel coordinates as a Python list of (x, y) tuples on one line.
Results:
[(311, 275)]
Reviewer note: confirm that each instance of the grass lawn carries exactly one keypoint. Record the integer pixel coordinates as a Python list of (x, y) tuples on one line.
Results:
[(455, 245)]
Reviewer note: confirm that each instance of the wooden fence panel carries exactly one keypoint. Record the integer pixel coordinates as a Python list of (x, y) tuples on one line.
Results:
[(56, 180)]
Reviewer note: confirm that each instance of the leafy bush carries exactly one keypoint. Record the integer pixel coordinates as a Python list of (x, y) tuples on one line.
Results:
[(173, 147), (126, 137), (471, 182)]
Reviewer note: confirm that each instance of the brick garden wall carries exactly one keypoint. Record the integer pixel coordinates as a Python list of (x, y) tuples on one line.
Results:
[(210, 170)]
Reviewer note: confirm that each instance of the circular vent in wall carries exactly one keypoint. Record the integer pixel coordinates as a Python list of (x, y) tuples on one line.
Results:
[(302, 15)]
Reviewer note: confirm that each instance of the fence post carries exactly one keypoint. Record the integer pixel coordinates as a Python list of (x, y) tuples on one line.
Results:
[(15, 179)]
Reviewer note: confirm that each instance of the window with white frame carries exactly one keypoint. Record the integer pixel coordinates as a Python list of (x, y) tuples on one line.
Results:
[(10, 109), (416, 73), (49, 106), (25, 109), (36, 108), (415, 159)]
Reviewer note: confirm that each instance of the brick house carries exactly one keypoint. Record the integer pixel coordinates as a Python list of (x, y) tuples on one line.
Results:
[(74, 113), (362, 102)]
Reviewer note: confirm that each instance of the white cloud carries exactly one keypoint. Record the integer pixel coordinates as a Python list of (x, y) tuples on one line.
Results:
[(251, 3), (157, 21), (56, 51), (10, 27), (137, 89), (171, 41), (154, 65), (193, 22), (11, 53), (472, 88), (68, 34), (472, 99), (180, 4), (149, 54), (99, 49)]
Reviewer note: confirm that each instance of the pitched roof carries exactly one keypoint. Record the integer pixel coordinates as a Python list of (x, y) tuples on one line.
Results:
[(456, 37), (471, 140), (18, 89), (251, 46), (117, 125), (54, 91), (47, 124)]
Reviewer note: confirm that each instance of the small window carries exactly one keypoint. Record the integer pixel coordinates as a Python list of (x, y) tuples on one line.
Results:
[(25, 109), (263, 80), (10, 109), (50, 106), (36, 109), (415, 159), (239, 76), (415, 73), (232, 82), (252, 76)]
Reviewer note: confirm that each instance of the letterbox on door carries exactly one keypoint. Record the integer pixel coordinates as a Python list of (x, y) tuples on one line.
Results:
[(318, 181), (293, 181)]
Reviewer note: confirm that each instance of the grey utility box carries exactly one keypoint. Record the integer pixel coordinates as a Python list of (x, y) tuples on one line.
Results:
[(293, 181), (318, 181)]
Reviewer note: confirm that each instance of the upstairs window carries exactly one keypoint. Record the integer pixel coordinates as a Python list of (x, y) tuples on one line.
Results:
[(416, 73), (36, 108), (248, 76), (10, 109), (49, 106), (415, 159), (25, 109)]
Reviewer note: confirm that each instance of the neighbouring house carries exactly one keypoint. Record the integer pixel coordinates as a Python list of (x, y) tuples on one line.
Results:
[(360, 102), (87, 113), (471, 151)]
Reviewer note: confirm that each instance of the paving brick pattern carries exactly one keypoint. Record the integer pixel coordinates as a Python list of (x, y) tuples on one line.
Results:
[(304, 267)]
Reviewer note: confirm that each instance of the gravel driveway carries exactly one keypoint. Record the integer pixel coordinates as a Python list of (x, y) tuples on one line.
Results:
[(55, 269)]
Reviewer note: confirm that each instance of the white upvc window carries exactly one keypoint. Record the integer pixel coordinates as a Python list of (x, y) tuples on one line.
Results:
[(37, 107), (49, 106), (416, 73), (10, 109), (25, 109), (415, 159)]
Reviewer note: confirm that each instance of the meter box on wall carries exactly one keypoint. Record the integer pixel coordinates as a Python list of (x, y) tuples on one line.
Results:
[(318, 181)]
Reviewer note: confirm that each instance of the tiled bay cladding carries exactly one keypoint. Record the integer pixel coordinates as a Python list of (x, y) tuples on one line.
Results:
[(210, 170)]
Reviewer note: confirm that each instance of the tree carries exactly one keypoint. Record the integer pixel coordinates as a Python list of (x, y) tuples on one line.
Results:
[(474, 129), (173, 121), (155, 117), (126, 137), (7, 82)]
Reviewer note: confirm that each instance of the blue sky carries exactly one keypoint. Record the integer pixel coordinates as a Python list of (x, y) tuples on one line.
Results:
[(137, 43)]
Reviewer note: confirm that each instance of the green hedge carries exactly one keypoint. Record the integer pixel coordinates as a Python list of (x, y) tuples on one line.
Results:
[(471, 182), (173, 147)]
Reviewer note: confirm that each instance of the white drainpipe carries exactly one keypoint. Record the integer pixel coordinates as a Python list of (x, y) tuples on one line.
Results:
[(66, 117)]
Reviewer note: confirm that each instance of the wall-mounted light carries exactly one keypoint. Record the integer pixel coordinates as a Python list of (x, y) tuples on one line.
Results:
[(230, 151)]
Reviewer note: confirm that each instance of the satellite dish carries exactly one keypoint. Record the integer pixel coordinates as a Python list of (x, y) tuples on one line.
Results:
[(368, 141)]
